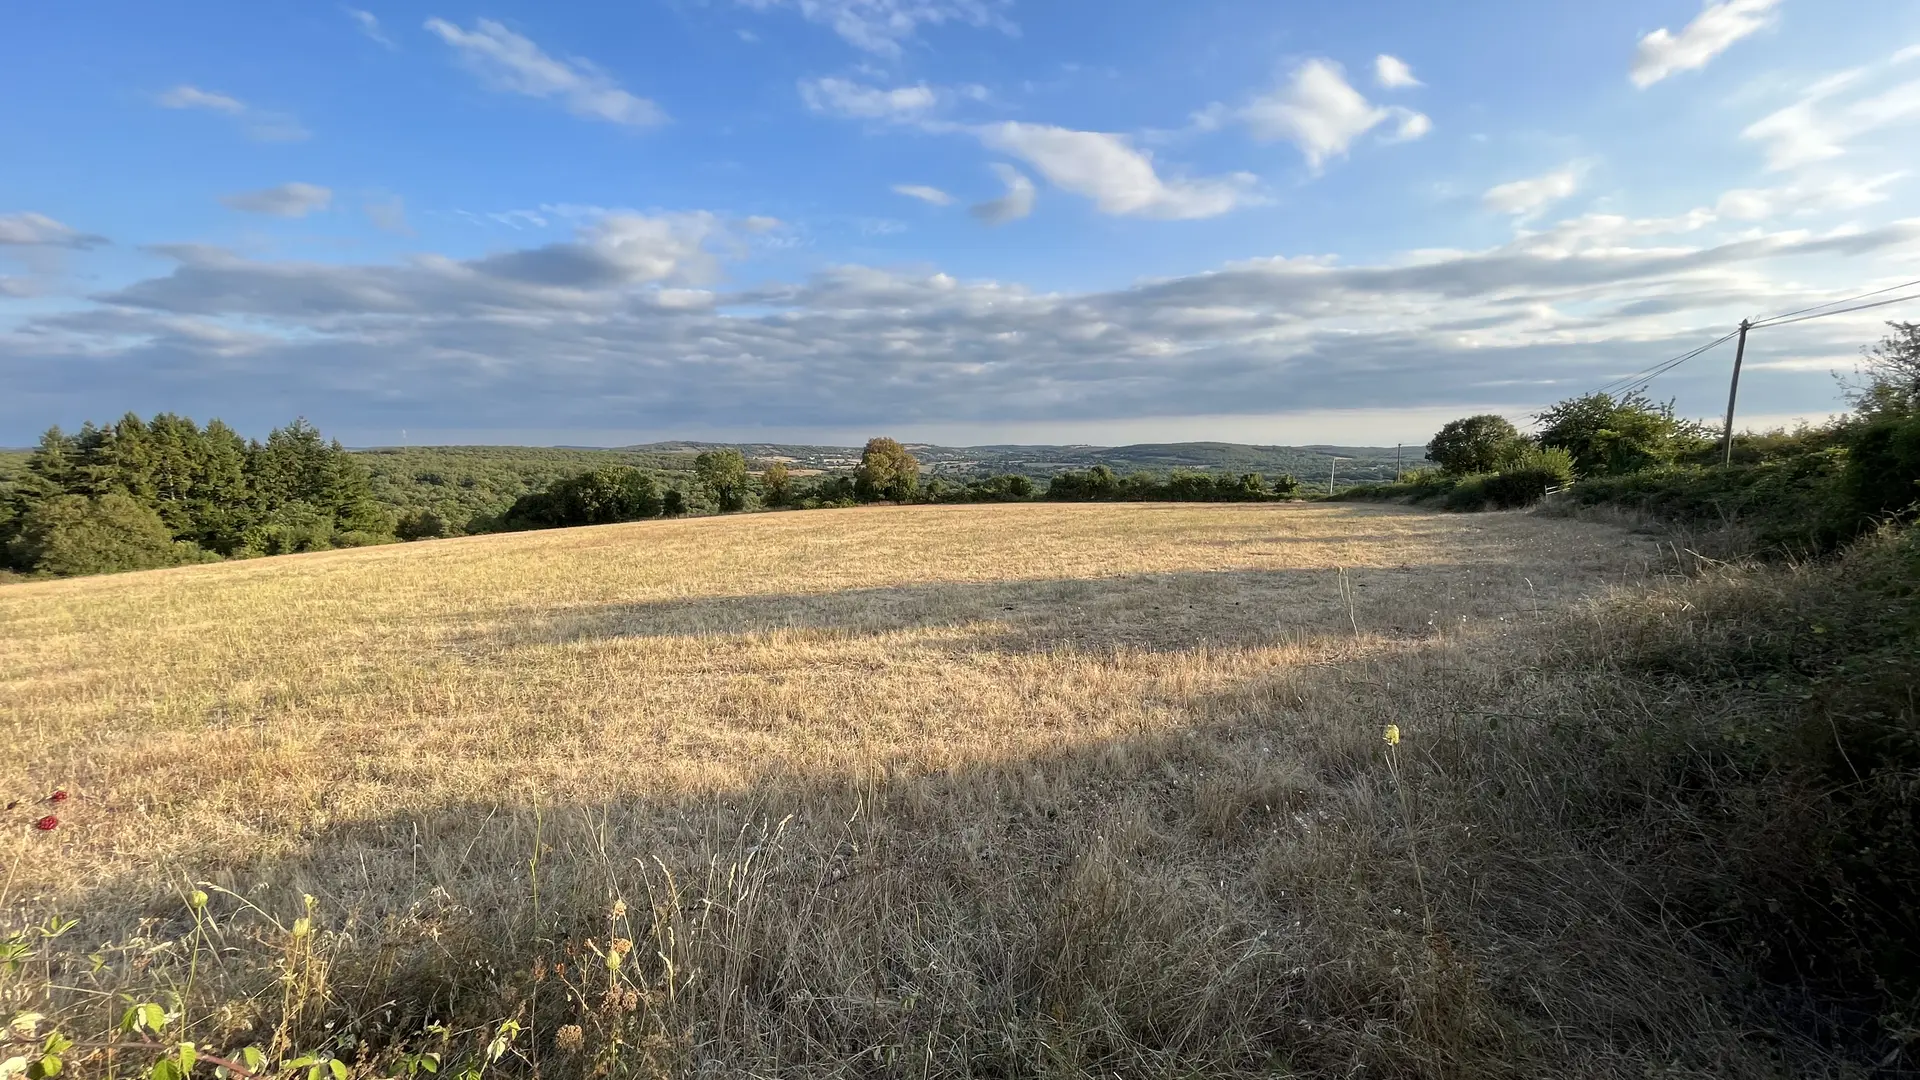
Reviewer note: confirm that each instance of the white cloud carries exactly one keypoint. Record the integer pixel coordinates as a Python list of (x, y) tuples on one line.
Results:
[(28, 229), (881, 26), (1808, 197), (1321, 113), (1711, 32), (1118, 178), (1811, 130), (844, 97), (1530, 195), (289, 200), (509, 62), (1392, 73), (1413, 125), (1014, 205), (192, 97), (614, 328), (924, 193), (259, 124), (1911, 52), (388, 214), (370, 26)]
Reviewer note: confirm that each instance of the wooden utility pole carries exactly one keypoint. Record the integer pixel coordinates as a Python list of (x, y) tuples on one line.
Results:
[(1330, 466), (1733, 391)]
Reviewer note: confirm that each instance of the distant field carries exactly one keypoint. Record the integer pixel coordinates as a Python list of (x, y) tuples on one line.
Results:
[(942, 786)]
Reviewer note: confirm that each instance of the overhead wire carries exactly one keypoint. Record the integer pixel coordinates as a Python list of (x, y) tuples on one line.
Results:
[(1639, 380), (1777, 318), (1784, 321)]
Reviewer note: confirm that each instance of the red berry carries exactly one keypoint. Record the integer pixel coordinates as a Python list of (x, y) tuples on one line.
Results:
[(58, 796), (47, 824)]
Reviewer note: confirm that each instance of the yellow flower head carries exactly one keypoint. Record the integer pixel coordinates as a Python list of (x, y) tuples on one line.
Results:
[(1392, 735)]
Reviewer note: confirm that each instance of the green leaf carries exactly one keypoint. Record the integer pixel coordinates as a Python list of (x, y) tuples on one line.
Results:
[(166, 1069), (48, 1067), (338, 1068), (13, 1066), (430, 1062), (253, 1058)]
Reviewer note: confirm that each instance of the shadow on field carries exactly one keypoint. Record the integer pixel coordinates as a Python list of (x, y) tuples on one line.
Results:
[(1167, 612), (1235, 898)]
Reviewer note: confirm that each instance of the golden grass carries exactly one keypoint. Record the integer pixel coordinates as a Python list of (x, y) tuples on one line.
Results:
[(228, 710), (1024, 789)]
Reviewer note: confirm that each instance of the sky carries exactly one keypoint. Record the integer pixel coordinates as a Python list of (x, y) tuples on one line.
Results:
[(958, 221)]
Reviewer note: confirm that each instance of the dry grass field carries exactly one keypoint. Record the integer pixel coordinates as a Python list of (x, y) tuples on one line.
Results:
[(1020, 790)]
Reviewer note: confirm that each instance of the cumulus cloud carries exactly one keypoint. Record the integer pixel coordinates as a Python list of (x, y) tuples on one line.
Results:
[(509, 62), (369, 25), (260, 124), (1711, 32), (1530, 195), (844, 97), (1014, 205), (289, 200), (882, 26), (1392, 73), (28, 229), (1817, 127), (1321, 113), (924, 193), (1109, 170)]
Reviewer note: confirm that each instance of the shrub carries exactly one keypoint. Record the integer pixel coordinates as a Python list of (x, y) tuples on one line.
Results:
[(1010, 487), (420, 525), (594, 497), (1475, 444), (673, 503), (1527, 480), (1883, 465), (73, 534)]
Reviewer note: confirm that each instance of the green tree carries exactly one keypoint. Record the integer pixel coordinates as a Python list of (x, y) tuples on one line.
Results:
[(76, 534), (724, 474), (776, 484), (1608, 436), (1475, 444), (1889, 383), (886, 472)]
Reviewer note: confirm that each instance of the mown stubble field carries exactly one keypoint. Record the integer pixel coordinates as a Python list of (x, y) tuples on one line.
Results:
[(1001, 790)]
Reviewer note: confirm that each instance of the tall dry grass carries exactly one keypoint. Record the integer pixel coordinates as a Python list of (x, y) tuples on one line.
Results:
[(936, 791)]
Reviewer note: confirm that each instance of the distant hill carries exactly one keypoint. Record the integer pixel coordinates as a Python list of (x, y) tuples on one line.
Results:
[(1357, 463)]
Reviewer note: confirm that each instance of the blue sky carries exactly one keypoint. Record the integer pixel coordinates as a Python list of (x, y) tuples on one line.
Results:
[(951, 220)]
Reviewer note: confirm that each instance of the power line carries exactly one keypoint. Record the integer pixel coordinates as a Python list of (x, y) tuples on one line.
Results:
[(1783, 321), (1639, 379), (1830, 303)]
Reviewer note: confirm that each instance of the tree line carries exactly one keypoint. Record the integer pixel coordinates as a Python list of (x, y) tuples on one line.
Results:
[(138, 494), (887, 473)]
